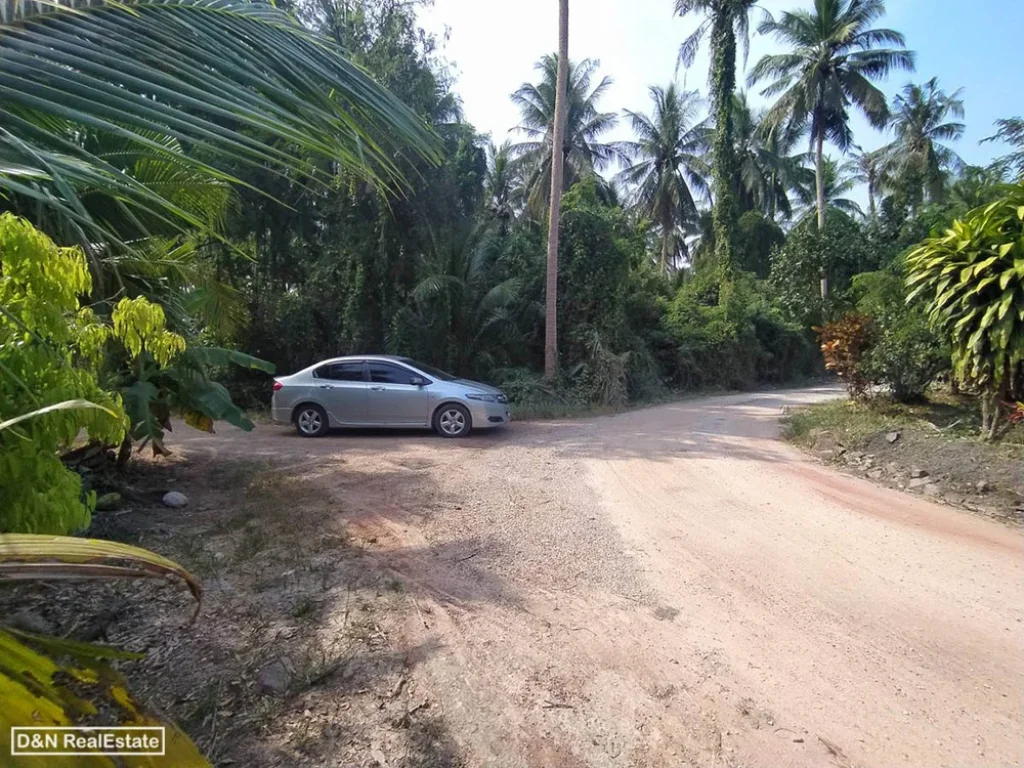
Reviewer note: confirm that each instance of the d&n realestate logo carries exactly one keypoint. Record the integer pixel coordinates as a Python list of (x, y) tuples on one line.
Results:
[(135, 740)]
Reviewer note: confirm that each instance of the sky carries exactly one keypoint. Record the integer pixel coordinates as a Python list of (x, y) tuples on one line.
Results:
[(492, 48)]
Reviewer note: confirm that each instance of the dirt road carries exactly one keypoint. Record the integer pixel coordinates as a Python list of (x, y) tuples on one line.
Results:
[(676, 587)]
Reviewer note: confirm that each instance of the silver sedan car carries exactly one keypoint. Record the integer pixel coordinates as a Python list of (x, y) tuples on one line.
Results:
[(381, 391)]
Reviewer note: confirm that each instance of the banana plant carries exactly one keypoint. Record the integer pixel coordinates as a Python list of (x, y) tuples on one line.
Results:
[(184, 387), (51, 681)]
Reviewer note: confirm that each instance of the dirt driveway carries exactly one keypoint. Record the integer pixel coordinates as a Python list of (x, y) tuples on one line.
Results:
[(676, 587)]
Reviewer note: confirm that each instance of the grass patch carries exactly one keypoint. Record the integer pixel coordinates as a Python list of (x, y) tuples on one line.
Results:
[(855, 422), (305, 608)]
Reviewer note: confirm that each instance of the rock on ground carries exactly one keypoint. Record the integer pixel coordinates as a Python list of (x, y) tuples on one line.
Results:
[(175, 499)]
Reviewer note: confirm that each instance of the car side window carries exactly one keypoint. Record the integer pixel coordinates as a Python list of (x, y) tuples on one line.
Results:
[(383, 373), (341, 372)]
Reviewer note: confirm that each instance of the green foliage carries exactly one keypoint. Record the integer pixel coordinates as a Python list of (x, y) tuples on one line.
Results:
[(727, 21), (972, 279), (285, 101), (840, 250), (667, 167), (50, 351), (831, 55), (907, 354), (756, 238), (767, 171), (923, 118), (584, 153), (598, 248), (1011, 131), (602, 375), (735, 344), (184, 388)]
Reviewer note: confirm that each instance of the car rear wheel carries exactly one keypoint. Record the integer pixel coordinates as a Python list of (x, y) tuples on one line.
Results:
[(452, 420), (311, 421)]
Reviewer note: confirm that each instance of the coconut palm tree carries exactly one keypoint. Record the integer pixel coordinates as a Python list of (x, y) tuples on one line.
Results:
[(836, 183), (834, 55), (727, 21), (666, 175), (1011, 131), (204, 86), (502, 185), (870, 169), (583, 152), (764, 166), (558, 148), (921, 119)]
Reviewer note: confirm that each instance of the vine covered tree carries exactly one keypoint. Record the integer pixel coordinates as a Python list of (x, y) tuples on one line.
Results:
[(727, 21)]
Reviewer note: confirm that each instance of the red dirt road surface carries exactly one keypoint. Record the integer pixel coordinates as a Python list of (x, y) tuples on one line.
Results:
[(677, 587)]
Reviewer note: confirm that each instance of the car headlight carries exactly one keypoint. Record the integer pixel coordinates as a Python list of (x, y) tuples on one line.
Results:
[(487, 398)]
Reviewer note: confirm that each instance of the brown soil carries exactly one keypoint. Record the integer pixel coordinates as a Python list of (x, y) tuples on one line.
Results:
[(668, 587)]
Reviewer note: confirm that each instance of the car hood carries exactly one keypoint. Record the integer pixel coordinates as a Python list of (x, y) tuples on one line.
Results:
[(476, 386)]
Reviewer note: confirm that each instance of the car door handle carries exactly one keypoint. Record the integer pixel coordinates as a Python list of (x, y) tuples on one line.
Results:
[(326, 386), (379, 389)]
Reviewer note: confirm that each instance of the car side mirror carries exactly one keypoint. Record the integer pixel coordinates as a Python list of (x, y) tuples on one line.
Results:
[(417, 381)]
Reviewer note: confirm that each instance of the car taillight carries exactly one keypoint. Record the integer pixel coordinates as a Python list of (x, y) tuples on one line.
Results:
[(278, 385)]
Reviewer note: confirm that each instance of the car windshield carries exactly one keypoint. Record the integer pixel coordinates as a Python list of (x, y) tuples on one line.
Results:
[(434, 373)]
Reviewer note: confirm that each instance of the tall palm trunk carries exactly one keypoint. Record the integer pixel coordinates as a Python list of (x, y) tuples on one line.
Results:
[(723, 77), (557, 158), (819, 180), (872, 188), (666, 244)]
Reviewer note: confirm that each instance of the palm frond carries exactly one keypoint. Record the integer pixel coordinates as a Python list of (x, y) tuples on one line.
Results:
[(239, 80)]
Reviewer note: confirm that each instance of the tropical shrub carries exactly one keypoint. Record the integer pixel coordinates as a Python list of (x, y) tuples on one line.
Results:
[(733, 344), (908, 353), (50, 351), (841, 251), (601, 377), (844, 343), (971, 278), (756, 238)]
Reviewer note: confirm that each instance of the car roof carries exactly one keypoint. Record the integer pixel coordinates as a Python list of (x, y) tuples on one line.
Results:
[(368, 358)]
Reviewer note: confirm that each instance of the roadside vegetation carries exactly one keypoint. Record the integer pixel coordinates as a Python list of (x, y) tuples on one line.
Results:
[(196, 195), (933, 446)]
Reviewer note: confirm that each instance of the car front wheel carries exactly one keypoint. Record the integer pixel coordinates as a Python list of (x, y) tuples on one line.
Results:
[(452, 420), (311, 421)]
